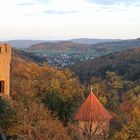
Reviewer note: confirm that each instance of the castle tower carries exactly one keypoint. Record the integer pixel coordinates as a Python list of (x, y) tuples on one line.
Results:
[(5, 59), (92, 120)]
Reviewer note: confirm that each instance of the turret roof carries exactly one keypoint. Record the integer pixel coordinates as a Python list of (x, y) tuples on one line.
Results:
[(92, 110)]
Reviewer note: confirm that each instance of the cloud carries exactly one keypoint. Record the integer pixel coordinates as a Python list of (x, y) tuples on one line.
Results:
[(25, 4), (30, 14), (33, 2), (60, 12), (113, 2), (70, 18)]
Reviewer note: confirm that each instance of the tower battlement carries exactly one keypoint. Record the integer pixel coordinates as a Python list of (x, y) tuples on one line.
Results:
[(5, 60), (5, 52)]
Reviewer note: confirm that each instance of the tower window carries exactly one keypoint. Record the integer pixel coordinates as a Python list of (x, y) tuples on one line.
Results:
[(0, 49), (6, 48), (2, 86)]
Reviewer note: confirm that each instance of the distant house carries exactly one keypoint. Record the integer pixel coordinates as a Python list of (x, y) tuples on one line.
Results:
[(92, 120)]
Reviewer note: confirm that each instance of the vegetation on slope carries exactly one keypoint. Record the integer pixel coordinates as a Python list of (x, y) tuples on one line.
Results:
[(44, 99), (126, 64), (41, 97)]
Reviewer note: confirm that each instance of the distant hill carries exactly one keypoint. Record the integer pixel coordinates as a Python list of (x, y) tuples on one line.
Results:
[(104, 47), (62, 53), (28, 43), (86, 41), (118, 45), (23, 43), (58, 46), (91, 41), (126, 64)]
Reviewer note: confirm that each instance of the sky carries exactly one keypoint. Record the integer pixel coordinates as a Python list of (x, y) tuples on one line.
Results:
[(64, 19)]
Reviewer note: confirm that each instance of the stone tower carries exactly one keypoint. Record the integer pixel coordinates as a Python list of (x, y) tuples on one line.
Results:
[(5, 59)]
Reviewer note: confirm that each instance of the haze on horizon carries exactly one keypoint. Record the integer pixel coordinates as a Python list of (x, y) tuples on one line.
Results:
[(63, 19)]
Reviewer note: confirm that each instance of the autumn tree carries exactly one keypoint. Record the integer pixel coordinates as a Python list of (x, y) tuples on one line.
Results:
[(130, 107), (42, 91)]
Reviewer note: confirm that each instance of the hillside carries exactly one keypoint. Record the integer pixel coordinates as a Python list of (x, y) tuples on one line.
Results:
[(27, 43), (91, 41), (45, 98), (66, 53), (58, 46), (23, 43), (66, 46), (29, 56), (62, 53), (41, 96), (126, 64), (118, 45)]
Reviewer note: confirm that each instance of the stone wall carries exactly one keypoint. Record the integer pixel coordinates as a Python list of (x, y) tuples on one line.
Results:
[(5, 59)]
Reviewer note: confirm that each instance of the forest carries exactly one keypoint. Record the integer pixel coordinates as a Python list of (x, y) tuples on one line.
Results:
[(125, 63), (44, 98)]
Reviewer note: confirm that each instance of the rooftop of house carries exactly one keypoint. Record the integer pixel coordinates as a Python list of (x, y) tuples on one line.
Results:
[(92, 110)]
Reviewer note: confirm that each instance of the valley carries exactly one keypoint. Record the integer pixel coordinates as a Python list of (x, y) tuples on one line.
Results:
[(64, 53)]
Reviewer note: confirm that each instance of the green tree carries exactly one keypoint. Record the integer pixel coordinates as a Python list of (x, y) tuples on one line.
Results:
[(7, 117)]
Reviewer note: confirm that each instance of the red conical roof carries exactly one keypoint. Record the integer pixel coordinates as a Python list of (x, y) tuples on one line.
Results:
[(92, 110)]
